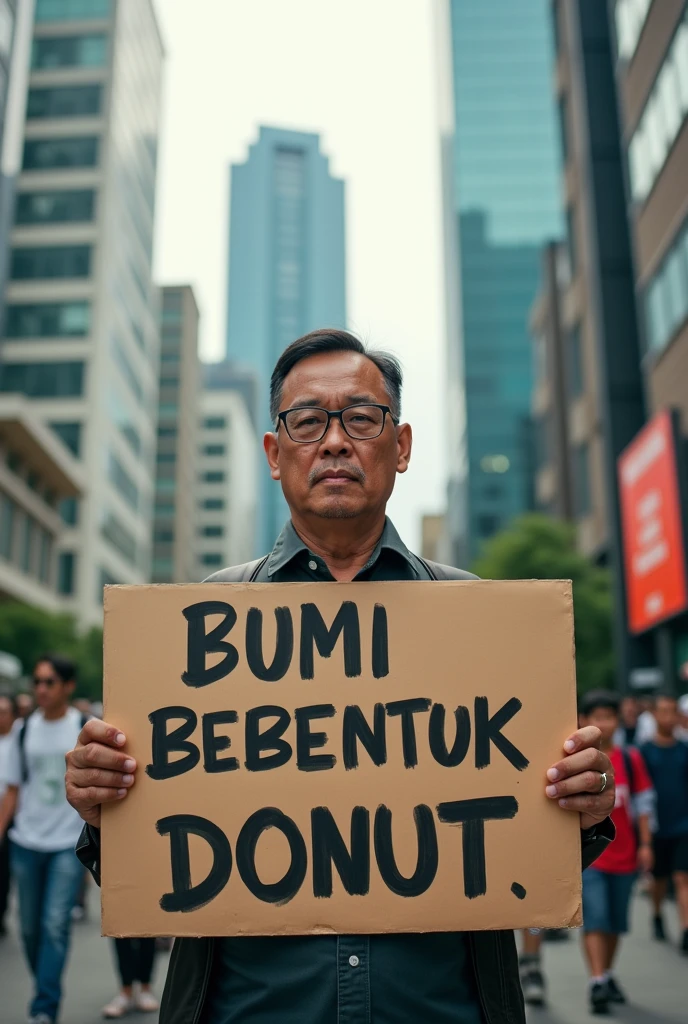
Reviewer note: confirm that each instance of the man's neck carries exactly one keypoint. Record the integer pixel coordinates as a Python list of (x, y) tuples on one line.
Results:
[(345, 545), (53, 714), (665, 740)]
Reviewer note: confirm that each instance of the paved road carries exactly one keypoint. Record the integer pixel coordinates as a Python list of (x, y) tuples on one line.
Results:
[(656, 978)]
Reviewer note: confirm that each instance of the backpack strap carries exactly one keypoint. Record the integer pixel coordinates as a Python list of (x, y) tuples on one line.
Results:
[(630, 770), (245, 573), (21, 739), (445, 572)]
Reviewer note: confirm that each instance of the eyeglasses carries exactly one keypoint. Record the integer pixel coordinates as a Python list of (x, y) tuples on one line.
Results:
[(307, 424), (45, 680)]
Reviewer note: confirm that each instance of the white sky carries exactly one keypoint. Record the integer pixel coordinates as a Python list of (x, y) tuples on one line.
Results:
[(361, 74)]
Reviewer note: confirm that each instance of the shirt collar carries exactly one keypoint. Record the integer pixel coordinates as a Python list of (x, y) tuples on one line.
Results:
[(289, 545)]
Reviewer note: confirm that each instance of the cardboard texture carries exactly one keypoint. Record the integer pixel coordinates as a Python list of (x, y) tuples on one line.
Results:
[(443, 825)]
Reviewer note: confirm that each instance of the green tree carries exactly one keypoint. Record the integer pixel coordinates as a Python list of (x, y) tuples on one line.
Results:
[(540, 548), (27, 632)]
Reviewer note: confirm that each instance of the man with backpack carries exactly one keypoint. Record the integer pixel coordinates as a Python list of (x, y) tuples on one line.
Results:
[(608, 885), (336, 447), (45, 869)]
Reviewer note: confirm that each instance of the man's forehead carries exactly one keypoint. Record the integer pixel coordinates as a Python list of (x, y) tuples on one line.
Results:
[(343, 374)]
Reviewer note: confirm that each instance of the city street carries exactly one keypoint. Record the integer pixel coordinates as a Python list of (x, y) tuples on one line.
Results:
[(655, 977)]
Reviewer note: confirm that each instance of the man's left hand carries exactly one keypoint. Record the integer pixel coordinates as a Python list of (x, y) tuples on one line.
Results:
[(577, 781)]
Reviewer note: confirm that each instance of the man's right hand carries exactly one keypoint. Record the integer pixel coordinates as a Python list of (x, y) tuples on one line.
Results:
[(98, 770)]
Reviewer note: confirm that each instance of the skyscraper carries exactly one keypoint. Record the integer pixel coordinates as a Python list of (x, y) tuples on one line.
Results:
[(82, 336), (506, 203), (174, 524), (286, 269)]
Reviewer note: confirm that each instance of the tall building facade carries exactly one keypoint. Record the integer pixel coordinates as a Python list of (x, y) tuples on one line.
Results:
[(506, 205), (287, 270), (81, 337), (227, 472), (174, 522), (652, 76)]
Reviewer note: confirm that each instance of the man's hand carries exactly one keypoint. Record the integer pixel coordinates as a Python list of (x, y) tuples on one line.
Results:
[(98, 770), (576, 781)]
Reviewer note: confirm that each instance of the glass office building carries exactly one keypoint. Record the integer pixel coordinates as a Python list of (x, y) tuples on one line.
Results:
[(286, 270), (507, 204)]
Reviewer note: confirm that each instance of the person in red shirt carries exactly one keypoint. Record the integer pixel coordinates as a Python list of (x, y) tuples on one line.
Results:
[(607, 887)]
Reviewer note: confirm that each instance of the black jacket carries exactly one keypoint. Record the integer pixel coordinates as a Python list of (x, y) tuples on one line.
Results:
[(492, 953)]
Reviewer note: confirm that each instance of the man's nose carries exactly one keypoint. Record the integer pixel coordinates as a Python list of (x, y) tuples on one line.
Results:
[(336, 441)]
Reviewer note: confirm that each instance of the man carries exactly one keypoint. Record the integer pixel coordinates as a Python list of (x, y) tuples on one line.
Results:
[(667, 762), (629, 713), (8, 714), (607, 887), (336, 449), (45, 870)]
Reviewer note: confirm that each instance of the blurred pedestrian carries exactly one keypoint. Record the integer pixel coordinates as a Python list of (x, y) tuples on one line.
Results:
[(135, 958), (629, 712), (607, 887), (44, 866), (667, 761), (682, 729), (25, 705), (530, 967), (8, 714)]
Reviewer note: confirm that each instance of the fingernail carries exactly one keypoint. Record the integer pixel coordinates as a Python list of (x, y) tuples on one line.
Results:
[(563, 803), (127, 779), (120, 738), (121, 792), (569, 746), (129, 765), (553, 774), (551, 791)]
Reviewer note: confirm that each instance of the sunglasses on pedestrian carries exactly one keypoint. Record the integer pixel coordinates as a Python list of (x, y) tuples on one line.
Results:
[(45, 680)]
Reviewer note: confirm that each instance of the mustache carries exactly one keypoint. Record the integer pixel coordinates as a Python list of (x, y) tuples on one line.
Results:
[(345, 467)]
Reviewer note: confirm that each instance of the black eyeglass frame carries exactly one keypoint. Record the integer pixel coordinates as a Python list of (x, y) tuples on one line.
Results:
[(337, 414)]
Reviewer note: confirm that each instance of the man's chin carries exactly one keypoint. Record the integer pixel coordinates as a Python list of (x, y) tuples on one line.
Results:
[(337, 510)]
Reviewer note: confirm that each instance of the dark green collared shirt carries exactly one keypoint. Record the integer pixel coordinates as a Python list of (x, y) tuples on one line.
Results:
[(345, 979)]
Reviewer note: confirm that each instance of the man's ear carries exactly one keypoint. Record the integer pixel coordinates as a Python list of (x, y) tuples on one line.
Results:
[(404, 445), (271, 446)]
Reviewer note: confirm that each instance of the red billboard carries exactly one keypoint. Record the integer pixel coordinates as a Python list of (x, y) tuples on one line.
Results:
[(651, 521)]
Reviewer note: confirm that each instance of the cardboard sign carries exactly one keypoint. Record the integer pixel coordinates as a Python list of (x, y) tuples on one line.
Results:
[(317, 758)]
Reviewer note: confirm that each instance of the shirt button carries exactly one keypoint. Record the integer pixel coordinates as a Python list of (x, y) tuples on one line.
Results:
[(354, 961), (312, 564)]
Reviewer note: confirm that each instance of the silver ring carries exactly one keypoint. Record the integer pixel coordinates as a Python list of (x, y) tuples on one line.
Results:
[(603, 780)]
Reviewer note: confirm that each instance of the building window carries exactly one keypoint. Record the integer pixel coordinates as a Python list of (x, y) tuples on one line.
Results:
[(6, 29), (214, 476), (564, 129), (575, 376), (125, 367), (71, 10), (167, 431), (211, 558), (163, 536), (64, 101), (665, 111), (214, 449), (49, 320), (488, 525), (43, 380), (51, 261), (581, 480), (123, 483), (630, 17), (27, 544), (45, 557), (104, 579), (7, 518), (212, 531), (666, 294), (119, 536), (571, 238), (169, 380), (52, 154), (163, 506), (69, 52), (214, 423), (69, 511), (166, 409), (216, 504), (66, 564), (542, 441), (70, 435), (67, 205), (166, 457)]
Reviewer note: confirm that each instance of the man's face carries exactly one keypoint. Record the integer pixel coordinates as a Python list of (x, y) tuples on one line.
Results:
[(629, 711), (51, 693), (337, 477), (606, 720), (666, 714), (6, 716)]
